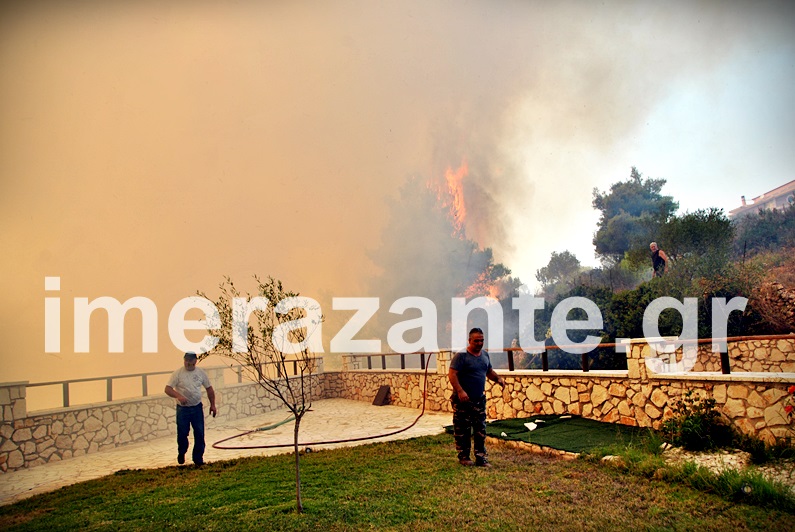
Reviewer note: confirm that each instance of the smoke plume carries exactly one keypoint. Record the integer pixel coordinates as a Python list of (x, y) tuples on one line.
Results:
[(150, 148)]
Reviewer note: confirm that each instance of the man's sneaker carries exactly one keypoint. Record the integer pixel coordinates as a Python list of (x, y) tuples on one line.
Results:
[(180, 459), (466, 462), (482, 462)]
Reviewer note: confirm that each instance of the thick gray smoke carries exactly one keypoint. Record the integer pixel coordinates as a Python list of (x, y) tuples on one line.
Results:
[(150, 148)]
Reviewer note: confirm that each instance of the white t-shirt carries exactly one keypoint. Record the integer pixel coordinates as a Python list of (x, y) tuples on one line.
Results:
[(189, 384)]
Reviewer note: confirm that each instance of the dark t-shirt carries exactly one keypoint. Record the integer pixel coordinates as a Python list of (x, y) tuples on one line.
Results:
[(472, 372), (657, 263)]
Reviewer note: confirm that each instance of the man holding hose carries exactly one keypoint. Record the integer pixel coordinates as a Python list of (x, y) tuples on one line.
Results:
[(469, 370)]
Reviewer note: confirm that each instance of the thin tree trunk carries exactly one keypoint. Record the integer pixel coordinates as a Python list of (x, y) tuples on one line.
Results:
[(299, 507)]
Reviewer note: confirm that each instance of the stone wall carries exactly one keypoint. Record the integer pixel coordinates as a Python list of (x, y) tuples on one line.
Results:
[(406, 387), (47, 436), (753, 401), (776, 355)]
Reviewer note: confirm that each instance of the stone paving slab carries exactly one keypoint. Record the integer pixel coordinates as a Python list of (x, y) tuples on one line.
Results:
[(329, 419)]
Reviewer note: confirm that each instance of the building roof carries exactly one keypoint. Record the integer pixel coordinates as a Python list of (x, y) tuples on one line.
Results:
[(773, 199)]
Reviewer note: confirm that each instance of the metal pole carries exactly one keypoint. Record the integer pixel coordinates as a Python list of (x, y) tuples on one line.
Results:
[(725, 365)]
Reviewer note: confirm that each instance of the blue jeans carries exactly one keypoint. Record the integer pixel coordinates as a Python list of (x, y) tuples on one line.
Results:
[(187, 416)]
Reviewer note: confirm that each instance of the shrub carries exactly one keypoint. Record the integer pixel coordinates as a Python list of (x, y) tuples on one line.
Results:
[(696, 424), (763, 231)]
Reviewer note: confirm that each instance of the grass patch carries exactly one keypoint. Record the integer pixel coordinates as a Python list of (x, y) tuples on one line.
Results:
[(643, 457), (405, 485)]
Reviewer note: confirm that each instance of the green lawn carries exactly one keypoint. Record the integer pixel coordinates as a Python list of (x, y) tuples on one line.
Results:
[(405, 485)]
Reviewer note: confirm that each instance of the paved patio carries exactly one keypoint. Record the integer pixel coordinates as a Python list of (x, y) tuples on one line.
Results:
[(330, 419)]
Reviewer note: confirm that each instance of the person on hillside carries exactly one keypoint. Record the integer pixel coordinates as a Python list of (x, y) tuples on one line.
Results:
[(659, 260), (468, 372), (185, 385)]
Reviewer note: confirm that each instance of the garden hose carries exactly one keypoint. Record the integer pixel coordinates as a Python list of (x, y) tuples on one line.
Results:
[(218, 444)]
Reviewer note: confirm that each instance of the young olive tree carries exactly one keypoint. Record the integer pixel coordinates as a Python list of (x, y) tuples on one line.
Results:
[(274, 336)]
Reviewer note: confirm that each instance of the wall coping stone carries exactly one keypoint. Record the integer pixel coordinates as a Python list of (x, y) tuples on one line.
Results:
[(716, 376), (242, 384), (623, 373), (506, 373), (431, 371)]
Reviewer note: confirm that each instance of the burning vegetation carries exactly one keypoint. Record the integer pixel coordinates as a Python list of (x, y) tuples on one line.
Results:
[(425, 251)]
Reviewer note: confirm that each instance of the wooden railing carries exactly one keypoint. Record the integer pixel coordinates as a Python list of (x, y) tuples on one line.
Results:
[(144, 380), (585, 358), (108, 384), (425, 358)]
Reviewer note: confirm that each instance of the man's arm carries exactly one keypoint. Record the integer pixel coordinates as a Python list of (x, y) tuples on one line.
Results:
[(459, 391), (665, 258), (171, 392), (211, 397), (492, 375)]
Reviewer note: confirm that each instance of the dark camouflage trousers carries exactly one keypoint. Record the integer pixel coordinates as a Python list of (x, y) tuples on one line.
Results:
[(469, 419)]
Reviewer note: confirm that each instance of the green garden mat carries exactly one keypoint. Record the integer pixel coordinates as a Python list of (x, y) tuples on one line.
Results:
[(566, 433)]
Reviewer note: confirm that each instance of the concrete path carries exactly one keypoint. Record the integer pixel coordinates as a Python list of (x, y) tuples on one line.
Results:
[(330, 419)]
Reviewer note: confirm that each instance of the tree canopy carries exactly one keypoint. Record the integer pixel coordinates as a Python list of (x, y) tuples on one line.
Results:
[(561, 266), (632, 213), (560, 274), (699, 233)]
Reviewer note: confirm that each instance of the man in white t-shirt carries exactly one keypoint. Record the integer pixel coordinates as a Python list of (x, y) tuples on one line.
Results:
[(185, 385)]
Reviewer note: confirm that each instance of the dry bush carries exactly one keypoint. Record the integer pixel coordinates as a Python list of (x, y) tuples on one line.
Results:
[(774, 298)]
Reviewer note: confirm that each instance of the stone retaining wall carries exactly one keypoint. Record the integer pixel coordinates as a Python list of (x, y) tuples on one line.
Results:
[(752, 356), (753, 401), (52, 435), (405, 386)]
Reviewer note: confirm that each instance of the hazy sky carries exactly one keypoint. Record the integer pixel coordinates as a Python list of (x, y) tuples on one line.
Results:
[(149, 148)]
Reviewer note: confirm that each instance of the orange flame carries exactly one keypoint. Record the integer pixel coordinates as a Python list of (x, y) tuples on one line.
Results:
[(455, 187), (483, 286), (453, 200)]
